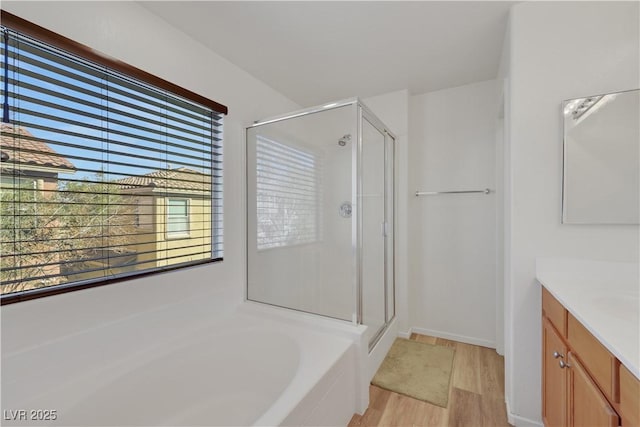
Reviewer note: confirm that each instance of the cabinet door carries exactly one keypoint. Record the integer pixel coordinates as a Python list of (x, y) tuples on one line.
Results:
[(554, 378), (587, 405), (629, 398)]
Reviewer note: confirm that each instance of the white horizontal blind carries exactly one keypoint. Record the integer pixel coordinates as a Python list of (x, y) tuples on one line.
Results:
[(288, 194), (90, 159)]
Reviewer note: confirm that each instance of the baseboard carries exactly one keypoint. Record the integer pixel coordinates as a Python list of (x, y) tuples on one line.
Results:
[(518, 421), (454, 337), (510, 419), (406, 335)]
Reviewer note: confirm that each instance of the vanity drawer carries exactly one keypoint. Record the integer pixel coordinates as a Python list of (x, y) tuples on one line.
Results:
[(629, 398), (555, 312), (594, 356)]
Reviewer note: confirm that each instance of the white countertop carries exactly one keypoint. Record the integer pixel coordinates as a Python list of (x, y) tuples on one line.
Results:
[(604, 297)]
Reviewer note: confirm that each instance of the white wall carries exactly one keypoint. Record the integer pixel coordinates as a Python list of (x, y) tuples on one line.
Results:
[(130, 33), (499, 269), (558, 50), (504, 211), (452, 243)]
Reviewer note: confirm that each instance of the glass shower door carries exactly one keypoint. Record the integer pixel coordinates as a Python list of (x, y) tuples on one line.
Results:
[(374, 229), (320, 209), (300, 218)]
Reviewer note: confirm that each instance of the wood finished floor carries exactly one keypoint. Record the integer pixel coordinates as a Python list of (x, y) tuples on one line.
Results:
[(476, 395)]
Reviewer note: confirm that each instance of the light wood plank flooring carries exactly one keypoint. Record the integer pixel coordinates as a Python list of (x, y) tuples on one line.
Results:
[(476, 396)]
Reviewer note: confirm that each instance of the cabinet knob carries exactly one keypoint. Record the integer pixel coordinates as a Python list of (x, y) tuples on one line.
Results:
[(564, 365), (556, 355)]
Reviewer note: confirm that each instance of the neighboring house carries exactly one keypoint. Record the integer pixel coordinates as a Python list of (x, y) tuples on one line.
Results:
[(165, 218), (29, 170), (173, 216), (28, 162)]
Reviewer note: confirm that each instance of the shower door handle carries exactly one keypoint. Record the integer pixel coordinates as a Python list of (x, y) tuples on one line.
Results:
[(383, 228)]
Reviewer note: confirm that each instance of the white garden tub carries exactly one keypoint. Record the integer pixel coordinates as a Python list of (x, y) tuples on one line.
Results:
[(247, 368)]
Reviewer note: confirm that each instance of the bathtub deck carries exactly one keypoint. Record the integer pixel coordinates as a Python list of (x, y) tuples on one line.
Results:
[(476, 396)]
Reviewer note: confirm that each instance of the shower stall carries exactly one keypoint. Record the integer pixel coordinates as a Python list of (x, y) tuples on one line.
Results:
[(320, 214)]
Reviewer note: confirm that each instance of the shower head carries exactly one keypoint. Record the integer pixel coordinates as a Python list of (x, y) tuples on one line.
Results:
[(343, 141)]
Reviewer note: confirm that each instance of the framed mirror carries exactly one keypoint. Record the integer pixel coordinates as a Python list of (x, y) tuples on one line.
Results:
[(601, 167)]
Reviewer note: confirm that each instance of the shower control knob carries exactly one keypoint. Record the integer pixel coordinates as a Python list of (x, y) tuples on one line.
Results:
[(345, 210), (343, 141)]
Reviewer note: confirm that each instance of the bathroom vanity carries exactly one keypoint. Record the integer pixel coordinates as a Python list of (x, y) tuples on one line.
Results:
[(590, 343)]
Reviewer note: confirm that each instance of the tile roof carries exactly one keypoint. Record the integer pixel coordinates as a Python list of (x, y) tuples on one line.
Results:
[(171, 179), (28, 151)]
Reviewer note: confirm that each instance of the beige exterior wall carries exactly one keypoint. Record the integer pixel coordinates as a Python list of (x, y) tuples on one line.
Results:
[(152, 245), (157, 247)]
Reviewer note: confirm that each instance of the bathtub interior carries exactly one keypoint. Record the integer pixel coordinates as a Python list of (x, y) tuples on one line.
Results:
[(361, 370), (216, 381), (251, 365)]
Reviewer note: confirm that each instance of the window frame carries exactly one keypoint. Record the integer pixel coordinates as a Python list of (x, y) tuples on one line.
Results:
[(56, 40)]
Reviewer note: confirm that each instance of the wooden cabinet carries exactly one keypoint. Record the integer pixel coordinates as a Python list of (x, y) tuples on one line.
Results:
[(586, 404), (554, 380), (629, 398), (555, 312), (583, 384), (593, 354)]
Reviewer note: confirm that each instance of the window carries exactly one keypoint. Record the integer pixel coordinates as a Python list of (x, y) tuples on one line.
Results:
[(288, 196), (177, 218), (118, 155)]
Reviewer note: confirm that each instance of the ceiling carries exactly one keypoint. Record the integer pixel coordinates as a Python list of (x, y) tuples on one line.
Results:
[(318, 51)]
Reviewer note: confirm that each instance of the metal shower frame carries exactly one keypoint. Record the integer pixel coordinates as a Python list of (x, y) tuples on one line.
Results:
[(362, 113)]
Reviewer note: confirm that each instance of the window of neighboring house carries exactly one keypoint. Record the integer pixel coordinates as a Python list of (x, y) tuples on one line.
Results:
[(109, 143), (288, 194), (177, 218)]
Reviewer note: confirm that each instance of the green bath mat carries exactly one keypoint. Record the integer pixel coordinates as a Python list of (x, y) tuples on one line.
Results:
[(418, 370)]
